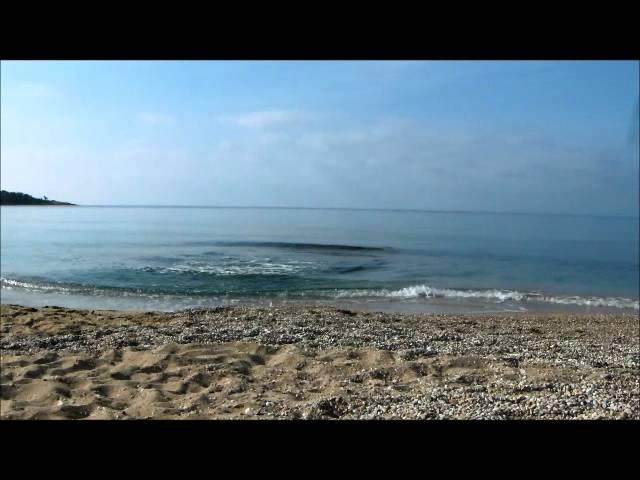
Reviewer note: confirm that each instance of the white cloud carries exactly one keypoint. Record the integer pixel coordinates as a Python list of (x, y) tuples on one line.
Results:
[(266, 119), (156, 119)]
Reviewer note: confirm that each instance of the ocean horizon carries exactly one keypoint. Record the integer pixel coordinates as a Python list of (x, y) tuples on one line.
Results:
[(409, 210), (146, 257)]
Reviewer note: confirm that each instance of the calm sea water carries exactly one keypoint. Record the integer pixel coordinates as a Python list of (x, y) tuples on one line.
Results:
[(173, 258)]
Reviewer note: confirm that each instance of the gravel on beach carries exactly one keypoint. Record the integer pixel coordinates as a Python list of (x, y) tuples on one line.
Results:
[(311, 362)]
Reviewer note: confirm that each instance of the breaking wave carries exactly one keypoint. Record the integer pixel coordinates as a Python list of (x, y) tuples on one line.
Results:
[(69, 288), (424, 291), (408, 293)]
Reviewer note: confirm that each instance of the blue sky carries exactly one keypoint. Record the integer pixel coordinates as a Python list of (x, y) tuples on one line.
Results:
[(558, 137)]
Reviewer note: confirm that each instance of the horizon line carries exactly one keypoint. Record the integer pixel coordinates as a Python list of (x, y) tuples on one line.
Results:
[(416, 210)]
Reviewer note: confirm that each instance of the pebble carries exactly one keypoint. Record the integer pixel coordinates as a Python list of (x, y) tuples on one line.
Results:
[(609, 386)]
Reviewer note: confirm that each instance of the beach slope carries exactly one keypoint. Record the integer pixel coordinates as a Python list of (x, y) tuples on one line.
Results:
[(315, 363)]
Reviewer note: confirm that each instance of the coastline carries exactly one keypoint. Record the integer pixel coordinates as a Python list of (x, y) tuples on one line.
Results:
[(459, 302), (316, 362)]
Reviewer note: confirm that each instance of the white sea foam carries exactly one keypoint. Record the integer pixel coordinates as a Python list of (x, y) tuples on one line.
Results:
[(252, 267), (9, 283), (425, 291), (595, 301), (411, 292)]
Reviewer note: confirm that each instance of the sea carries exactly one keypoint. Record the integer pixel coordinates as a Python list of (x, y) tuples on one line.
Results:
[(174, 258)]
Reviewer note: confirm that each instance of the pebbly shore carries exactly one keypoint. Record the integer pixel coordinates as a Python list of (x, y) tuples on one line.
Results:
[(296, 362)]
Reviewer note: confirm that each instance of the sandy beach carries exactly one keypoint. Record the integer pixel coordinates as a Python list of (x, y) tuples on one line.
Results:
[(316, 363)]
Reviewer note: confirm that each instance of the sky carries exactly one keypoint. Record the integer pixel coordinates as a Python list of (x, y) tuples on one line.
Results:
[(548, 137)]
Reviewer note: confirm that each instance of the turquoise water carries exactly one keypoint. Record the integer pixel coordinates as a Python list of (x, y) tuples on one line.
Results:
[(172, 258)]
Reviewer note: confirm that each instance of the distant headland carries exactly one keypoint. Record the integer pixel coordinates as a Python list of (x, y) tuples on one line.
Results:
[(19, 198)]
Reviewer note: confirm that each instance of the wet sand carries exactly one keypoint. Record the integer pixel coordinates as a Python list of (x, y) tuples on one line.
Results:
[(296, 362)]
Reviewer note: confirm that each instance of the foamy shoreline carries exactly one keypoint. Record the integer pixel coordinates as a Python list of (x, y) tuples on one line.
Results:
[(410, 299), (316, 362)]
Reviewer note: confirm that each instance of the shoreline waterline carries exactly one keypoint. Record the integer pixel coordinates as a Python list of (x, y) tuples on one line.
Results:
[(164, 303)]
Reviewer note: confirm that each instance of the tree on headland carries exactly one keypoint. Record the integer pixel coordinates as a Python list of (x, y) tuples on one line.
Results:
[(19, 198)]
